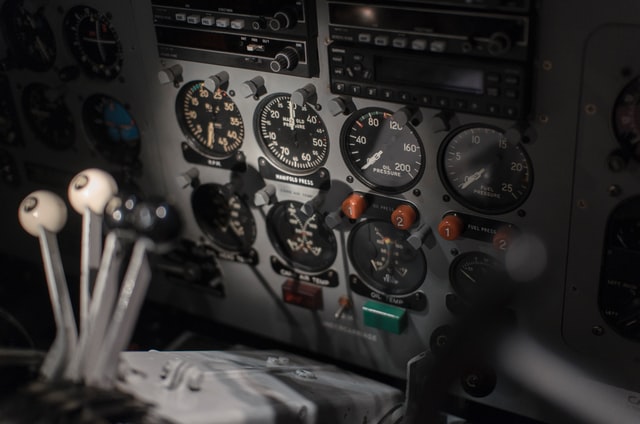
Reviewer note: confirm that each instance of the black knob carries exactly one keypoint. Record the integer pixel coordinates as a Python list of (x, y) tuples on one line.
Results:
[(157, 220), (282, 19), (286, 59), (499, 43)]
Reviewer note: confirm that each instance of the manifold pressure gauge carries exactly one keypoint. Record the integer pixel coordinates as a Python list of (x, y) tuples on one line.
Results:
[(292, 136), (485, 171), (93, 41), (380, 152), (210, 120)]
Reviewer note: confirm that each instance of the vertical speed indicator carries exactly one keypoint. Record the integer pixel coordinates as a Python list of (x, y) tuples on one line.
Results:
[(381, 153)]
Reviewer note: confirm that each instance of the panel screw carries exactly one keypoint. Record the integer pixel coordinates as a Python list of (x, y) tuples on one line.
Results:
[(597, 330)]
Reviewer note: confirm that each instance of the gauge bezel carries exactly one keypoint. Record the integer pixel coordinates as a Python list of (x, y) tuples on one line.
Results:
[(257, 119), (369, 282), (121, 152), (490, 260), (47, 138), (184, 127), (460, 198), (272, 232), (106, 71), (344, 133)]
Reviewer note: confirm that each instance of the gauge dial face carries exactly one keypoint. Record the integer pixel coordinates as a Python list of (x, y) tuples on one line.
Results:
[(111, 128), (93, 41), (626, 118), (380, 152), (484, 171), (304, 241), (211, 120), (30, 37), (48, 116), (292, 136), (386, 262), (224, 217), (472, 272)]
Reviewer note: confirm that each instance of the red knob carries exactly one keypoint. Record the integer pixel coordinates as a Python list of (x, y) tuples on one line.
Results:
[(503, 238), (451, 227), (403, 217), (354, 206)]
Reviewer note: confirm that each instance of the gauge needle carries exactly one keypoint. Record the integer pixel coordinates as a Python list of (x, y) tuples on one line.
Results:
[(210, 135), (472, 178), (292, 115), (373, 159), (100, 48), (466, 274)]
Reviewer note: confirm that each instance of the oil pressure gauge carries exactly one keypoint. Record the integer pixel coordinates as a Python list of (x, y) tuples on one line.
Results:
[(292, 136), (380, 152), (211, 121), (485, 171)]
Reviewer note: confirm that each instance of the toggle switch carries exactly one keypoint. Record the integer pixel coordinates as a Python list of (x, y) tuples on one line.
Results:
[(300, 294), (306, 94), (265, 196), (417, 237)]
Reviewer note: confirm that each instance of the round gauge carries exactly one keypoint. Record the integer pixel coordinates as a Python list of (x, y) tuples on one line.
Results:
[(472, 271), (380, 152), (304, 241), (383, 258), (93, 41), (111, 128), (292, 136), (29, 35), (224, 217), (484, 171), (211, 120), (626, 118), (48, 116)]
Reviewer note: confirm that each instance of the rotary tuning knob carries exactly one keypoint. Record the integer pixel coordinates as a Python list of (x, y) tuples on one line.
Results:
[(172, 74), (282, 19), (265, 195), (287, 59), (341, 105), (217, 81), (408, 115), (306, 94), (253, 87)]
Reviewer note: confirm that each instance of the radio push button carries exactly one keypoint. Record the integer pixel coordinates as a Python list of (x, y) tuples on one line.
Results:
[(419, 44)]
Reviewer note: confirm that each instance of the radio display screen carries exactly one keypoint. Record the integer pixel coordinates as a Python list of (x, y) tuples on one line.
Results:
[(429, 75)]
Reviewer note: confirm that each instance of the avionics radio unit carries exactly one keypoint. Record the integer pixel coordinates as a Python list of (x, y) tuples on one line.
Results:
[(269, 36), (468, 61)]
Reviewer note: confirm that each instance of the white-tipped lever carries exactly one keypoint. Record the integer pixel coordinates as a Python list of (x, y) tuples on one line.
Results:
[(89, 192), (43, 214)]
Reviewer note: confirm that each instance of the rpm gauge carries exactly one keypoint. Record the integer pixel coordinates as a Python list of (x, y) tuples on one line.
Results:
[(626, 118), (211, 120), (93, 41), (484, 171), (225, 218), (292, 136), (303, 240), (48, 116), (381, 153), (386, 262), (111, 128)]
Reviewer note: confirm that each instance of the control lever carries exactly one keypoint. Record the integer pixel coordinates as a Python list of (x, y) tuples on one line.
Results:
[(43, 214)]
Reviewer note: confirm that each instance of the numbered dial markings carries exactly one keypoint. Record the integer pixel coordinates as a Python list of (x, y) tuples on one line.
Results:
[(93, 41), (111, 128), (225, 218), (292, 136), (304, 241), (211, 120), (380, 152), (472, 272), (383, 258), (484, 171), (626, 118)]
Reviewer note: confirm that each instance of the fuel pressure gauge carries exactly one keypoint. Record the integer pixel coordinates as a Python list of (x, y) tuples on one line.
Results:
[(211, 121), (380, 152), (485, 171), (292, 136)]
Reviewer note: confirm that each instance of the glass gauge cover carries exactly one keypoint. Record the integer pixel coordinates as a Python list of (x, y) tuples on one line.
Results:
[(626, 118), (111, 128), (93, 41), (385, 261), (380, 152), (484, 171), (48, 116), (211, 121), (224, 217), (304, 241), (292, 136), (29, 35), (472, 272)]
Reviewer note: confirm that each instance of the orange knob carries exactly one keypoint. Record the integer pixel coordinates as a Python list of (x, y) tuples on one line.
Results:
[(503, 238), (354, 206), (403, 217), (451, 227)]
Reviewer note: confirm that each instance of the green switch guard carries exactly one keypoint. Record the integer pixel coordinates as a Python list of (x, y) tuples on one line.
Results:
[(385, 317)]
